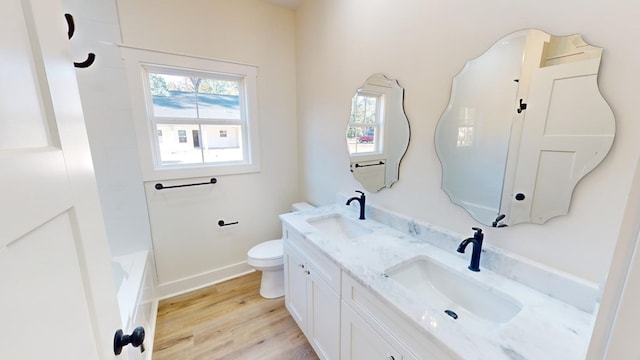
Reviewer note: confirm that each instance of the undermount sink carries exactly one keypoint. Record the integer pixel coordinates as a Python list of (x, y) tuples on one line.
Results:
[(456, 294), (338, 227)]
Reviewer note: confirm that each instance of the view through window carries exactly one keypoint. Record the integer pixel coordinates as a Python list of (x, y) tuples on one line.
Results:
[(199, 118)]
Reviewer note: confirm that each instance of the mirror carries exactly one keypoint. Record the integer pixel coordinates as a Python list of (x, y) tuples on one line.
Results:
[(525, 122), (377, 133)]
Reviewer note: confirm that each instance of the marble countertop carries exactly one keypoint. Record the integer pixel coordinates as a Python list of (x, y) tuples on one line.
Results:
[(545, 328)]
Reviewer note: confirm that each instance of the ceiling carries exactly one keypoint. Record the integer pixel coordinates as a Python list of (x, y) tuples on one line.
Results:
[(291, 4)]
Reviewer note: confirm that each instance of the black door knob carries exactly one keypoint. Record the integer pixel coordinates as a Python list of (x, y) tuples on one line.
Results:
[(121, 340)]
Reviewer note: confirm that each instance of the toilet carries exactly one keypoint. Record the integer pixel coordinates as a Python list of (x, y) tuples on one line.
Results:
[(267, 257)]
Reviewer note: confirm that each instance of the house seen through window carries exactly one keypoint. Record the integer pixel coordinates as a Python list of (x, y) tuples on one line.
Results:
[(191, 111)]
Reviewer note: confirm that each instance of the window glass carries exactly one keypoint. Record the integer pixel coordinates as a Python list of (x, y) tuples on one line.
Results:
[(194, 97), (364, 124), (198, 117), (175, 146), (182, 136), (222, 148)]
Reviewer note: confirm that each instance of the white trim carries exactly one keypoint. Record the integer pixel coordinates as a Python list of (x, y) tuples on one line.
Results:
[(135, 59), (610, 334), (130, 47), (201, 280), (150, 333)]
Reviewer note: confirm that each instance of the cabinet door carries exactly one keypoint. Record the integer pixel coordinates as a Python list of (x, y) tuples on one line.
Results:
[(295, 282), (361, 342), (324, 317)]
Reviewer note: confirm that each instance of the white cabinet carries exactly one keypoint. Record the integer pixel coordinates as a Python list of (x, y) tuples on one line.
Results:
[(371, 329), (360, 341), (343, 319), (312, 285), (323, 313), (295, 285)]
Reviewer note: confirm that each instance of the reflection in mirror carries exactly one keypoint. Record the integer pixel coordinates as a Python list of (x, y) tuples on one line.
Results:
[(377, 133), (524, 124)]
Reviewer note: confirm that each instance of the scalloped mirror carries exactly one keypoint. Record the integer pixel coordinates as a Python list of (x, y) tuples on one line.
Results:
[(377, 132), (525, 122)]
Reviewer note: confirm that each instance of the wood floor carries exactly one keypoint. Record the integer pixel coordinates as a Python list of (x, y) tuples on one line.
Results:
[(231, 321)]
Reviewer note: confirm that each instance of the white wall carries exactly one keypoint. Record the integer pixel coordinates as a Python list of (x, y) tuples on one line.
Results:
[(424, 44), (244, 31), (107, 113)]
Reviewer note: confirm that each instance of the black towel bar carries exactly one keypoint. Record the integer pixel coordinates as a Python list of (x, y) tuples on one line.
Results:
[(159, 186), (359, 166)]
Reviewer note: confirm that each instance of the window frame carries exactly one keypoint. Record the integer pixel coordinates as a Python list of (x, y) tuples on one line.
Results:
[(139, 63)]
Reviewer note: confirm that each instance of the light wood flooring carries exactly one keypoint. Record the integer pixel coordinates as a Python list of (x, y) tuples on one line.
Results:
[(229, 320)]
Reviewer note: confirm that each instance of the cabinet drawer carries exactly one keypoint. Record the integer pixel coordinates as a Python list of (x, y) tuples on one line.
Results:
[(388, 321)]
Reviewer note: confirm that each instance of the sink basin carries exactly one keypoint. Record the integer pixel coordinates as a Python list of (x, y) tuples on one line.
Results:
[(338, 227), (442, 287)]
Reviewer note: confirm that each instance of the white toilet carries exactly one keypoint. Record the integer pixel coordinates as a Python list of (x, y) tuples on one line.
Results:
[(267, 257)]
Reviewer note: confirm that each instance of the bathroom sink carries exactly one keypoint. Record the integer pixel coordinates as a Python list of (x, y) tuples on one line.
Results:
[(338, 227), (457, 294)]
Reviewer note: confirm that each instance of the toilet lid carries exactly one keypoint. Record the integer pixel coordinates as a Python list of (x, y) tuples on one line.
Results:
[(267, 250)]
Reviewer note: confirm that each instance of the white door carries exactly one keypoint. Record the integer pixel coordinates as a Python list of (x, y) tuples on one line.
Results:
[(57, 297), (562, 139)]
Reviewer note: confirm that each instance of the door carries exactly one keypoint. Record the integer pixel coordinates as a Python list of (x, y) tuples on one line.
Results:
[(57, 298), (562, 139)]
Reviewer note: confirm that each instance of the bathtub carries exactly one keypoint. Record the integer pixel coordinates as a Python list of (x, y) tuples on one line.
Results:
[(134, 282)]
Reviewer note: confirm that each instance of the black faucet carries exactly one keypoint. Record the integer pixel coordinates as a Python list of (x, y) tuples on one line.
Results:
[(361, 199), (477, 238)]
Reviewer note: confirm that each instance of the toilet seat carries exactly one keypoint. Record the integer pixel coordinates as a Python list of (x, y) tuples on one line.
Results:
[(266, 254)]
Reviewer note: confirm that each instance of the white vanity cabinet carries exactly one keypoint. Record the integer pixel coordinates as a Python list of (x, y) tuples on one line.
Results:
[(345, 287), (343, 319), (361, 341), (372, 330), (312, 294)]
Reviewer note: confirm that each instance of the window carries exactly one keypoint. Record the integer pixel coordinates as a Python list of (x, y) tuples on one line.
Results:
[(198, 116), (466, 123), (363, 132), (206, 103), (182, 136)]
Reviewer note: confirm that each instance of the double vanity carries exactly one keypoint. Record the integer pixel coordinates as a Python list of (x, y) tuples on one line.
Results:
[(390, 287), (513, 146)]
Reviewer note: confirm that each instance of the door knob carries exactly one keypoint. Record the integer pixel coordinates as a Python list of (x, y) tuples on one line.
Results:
[(121, 340)]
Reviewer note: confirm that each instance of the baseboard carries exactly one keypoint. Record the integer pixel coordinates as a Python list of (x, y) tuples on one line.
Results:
[(201, 280)]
